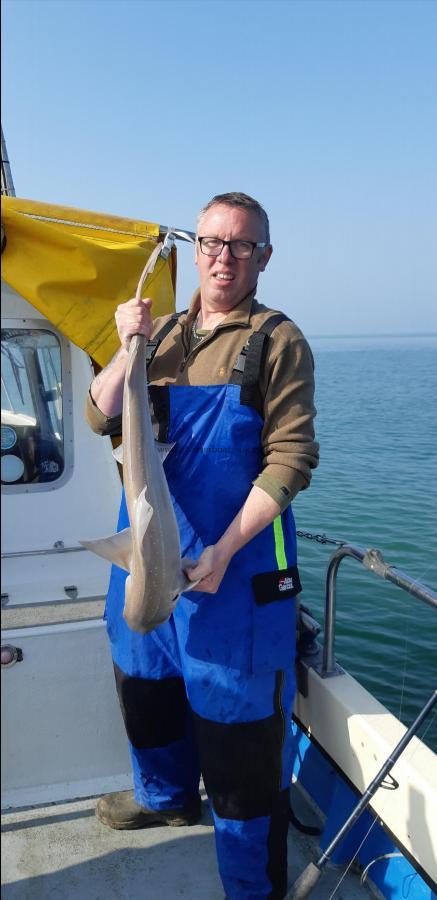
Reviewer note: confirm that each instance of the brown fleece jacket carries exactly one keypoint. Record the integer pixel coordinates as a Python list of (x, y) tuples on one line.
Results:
[(286, 383)]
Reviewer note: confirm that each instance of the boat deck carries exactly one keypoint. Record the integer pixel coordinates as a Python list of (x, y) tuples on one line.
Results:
[(63, 851)]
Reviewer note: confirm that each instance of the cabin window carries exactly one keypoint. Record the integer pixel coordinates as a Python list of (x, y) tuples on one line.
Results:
[(32, 431)]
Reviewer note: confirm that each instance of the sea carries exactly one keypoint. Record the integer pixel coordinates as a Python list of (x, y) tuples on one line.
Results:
[(376, 486)]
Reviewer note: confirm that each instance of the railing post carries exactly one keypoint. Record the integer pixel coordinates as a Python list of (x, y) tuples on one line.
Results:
[(328, 661)]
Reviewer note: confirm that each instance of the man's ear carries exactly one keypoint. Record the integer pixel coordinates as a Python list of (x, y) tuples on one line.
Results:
[(265, 258), (196, 252)]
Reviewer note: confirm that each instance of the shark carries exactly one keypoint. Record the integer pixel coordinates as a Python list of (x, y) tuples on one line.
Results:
[(149, 550)]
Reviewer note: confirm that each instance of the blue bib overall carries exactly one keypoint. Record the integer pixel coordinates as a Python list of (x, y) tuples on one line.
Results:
[(212, 689)]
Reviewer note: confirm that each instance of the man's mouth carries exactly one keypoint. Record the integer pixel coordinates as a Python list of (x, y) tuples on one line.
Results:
[(224, 276)]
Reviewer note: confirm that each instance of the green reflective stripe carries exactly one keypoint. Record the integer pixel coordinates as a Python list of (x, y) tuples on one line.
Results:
[(281, 558)]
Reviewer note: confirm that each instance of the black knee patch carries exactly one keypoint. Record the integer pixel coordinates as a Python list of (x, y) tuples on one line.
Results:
[(241, 765), (154, 712)]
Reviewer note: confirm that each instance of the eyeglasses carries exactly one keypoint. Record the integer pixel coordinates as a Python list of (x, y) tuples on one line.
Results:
[(211, 246)]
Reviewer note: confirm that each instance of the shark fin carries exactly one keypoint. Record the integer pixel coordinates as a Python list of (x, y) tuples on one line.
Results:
[(163, 451), (117, 548), (118, 454), (143, 513), (186, 583)]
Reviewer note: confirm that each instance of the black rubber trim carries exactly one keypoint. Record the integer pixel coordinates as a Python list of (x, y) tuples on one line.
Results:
[(241, 763), (154, 712), (277, 846)]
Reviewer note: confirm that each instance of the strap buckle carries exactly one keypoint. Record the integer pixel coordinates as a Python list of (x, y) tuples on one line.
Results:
[(151, 348), (241, 358)]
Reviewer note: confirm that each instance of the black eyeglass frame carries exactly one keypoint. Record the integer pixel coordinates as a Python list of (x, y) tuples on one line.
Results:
[(253, 244)]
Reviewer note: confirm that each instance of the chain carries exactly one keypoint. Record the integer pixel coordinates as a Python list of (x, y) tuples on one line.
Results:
[(320, 538)]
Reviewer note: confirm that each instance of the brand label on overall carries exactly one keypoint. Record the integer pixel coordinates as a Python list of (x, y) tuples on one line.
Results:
[(278, 585)]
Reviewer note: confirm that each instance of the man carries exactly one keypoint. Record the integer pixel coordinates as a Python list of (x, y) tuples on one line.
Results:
[(211, 690)]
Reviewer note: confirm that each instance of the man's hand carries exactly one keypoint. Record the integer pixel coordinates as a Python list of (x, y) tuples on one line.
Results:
[(133, 317), (210, 569), (257, 512)]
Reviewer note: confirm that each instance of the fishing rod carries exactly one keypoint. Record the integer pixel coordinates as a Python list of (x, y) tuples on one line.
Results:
[(308, 879)]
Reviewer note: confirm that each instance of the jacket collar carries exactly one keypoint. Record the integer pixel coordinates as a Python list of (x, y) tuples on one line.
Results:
[(239, 315)]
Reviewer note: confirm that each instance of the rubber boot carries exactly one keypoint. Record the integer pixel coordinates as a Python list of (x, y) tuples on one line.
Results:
[(121, 811)]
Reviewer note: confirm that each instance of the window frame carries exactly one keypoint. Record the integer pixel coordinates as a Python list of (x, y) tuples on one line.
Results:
[(27, 324)]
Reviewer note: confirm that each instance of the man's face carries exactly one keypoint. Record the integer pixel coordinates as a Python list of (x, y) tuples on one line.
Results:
[(224, 281)]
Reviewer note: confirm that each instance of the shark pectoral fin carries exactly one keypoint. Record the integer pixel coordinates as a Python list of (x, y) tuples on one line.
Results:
[(117, 548), (143, 513), (186, 583)]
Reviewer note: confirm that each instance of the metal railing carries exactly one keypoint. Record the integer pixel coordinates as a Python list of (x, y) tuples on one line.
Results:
[(56, 550), (373, 560)]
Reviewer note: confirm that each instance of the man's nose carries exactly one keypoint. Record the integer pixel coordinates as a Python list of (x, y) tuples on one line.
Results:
[(225, 255)]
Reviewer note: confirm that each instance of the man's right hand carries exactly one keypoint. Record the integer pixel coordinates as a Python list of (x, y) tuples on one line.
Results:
[(133, 317)]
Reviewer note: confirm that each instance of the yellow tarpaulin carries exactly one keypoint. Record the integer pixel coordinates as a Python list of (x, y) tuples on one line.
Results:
[(75, 267)]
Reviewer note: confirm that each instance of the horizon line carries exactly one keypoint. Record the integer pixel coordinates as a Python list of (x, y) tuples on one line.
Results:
[(384, 334)]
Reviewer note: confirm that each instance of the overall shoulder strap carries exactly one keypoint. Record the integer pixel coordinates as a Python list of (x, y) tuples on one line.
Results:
[(153, 344), (248, 366), (159, 396)]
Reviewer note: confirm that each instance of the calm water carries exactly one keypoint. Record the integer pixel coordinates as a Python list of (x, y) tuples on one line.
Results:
[(376, 487)]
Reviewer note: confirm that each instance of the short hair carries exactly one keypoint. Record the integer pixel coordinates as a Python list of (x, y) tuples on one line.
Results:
[(243, 201)]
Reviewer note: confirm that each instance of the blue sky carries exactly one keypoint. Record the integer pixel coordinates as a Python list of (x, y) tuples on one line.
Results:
[(324, 111)]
